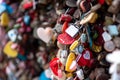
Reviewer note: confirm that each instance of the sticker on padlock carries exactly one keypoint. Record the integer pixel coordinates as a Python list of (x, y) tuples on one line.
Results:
[(91, 18), (72, 30), (70, 59), (106, 36), (84, 58), (112, 29)]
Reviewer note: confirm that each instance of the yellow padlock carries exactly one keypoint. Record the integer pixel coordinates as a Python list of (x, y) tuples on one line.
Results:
[(9, 51), (4, 19), (90, 18), (70, 59)]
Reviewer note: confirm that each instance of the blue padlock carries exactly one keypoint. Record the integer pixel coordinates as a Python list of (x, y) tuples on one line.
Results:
[(112, 29), (83, 38), (4, 7), (80, 49), (26, 19)]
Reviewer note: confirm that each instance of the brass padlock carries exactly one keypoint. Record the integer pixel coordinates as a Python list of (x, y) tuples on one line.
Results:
[(91, 18), (96, 48)]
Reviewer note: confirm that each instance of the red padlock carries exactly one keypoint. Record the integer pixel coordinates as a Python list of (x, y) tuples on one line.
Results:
[(85, 5), (28, 5), (101, 2), (65, 26), (55, 64), (84, 58), (65, 17), (64, 38)]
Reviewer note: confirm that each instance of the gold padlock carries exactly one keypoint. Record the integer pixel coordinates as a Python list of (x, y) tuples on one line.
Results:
[(90, 18), (96, 48)]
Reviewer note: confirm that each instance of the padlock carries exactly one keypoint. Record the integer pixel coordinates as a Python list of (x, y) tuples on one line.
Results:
[(64, 27), (62, 55), (27, 4), (80, 74), (65, 17), (84, 5), (83, 38), (96, 48), (71, 3), (4, 19), (26, 19), (109, 46), (114, 7), (65, 39), (106, 36), (74, 44), (84, 58), (71, 57), (9, 51), (91, 18), (93, 9), (58, 28), (72, 31), (12, 34), (55, 64), (79, 49), (112, 29)]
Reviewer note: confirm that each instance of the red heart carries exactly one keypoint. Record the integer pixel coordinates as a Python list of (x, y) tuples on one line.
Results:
[(84, 58), (54, 65)]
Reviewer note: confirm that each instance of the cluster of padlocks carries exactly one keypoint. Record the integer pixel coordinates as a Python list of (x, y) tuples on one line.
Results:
[(86, 33)]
